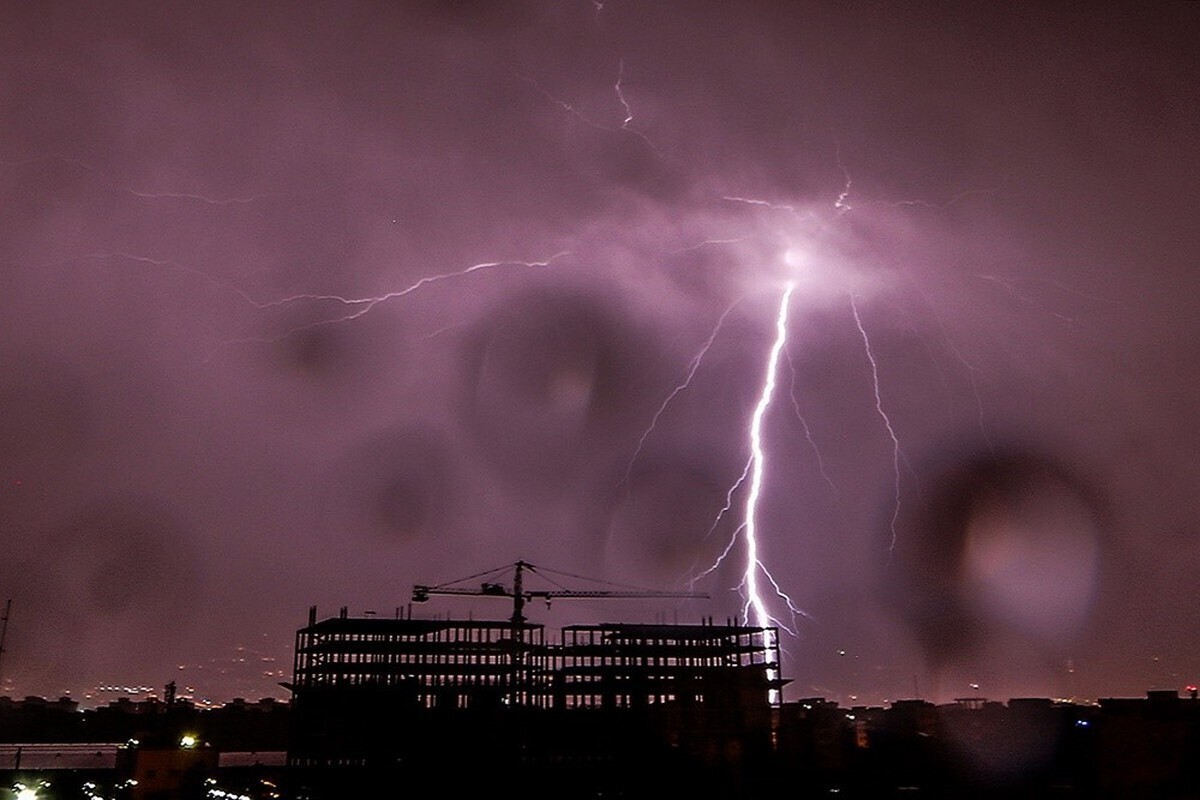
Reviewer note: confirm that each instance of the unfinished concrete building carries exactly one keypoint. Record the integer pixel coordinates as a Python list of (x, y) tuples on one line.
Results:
[(381, 700)]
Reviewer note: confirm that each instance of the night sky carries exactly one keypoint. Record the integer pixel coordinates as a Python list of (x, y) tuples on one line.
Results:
[(305, 303)]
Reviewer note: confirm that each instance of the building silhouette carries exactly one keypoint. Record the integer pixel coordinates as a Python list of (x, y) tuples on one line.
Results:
[(610, 746), (626, 709)]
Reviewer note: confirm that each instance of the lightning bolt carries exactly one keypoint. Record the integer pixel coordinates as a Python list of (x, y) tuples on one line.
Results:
[(621, 95), (369, 303), (1011, 286), (364, 305), (971, 372), (754, 201), (147, 261), (755, 607), (709, 243), (754, 565), (887, 423), (562, 104), (842, 203), (804, 424), (693, 366), (143, 194), (618, 90), (628, 120)]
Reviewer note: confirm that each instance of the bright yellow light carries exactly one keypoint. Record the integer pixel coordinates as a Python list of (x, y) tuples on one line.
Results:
[(187, 741)]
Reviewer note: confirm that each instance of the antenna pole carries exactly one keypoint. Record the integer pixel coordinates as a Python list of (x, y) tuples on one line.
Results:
[(4, 631)]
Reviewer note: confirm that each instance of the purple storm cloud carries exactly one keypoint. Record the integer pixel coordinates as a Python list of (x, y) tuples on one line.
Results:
[(304, 303)]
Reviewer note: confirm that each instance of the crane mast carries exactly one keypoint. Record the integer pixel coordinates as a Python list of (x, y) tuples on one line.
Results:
[(521, 595)]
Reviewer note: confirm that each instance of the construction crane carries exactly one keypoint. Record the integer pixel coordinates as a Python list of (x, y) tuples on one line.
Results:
[(521, 595)]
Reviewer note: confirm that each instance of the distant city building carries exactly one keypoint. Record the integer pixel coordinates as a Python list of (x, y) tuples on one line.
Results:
[(383, 707)]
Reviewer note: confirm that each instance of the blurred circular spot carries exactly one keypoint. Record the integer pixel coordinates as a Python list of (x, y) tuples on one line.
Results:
[(400, 485), (704, 272), (128, 558), (1005, 542), (405, 506), (659, 528), (308, 346), (119, 575), (625, 161), (1030, 557), (546, 377), (315, 351)]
